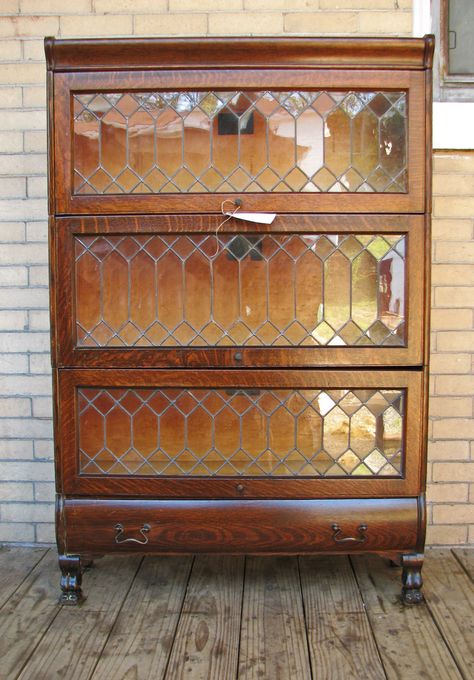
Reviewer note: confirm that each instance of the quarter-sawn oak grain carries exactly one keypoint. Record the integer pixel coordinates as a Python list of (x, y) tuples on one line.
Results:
[(296, 515)]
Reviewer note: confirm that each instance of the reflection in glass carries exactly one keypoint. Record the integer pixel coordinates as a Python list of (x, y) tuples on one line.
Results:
[(178, 142), (236, 289), (232, 432)]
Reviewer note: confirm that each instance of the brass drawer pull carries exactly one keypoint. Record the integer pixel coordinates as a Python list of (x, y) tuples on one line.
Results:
[(119, 530), (337, 538)]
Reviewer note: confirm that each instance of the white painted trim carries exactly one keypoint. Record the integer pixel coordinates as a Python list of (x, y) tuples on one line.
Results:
[(421, 18), (453, 122), (453, 125)]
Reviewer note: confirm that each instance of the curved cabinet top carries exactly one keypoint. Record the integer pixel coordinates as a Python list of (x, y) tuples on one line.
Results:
[(182, 53)]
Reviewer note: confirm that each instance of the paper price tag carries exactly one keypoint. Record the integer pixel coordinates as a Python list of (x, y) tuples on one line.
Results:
[(260, 218)]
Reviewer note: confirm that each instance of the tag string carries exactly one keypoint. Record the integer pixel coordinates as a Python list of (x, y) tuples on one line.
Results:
[(236, 206)]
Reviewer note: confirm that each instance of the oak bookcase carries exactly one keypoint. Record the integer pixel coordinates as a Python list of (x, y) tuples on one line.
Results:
[(231, 386)]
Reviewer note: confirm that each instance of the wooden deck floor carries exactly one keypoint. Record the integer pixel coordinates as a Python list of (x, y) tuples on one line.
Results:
[(228, 618)]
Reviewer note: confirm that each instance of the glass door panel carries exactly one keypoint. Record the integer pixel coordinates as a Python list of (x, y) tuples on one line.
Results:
[(240, 141), (255, 290), (231, 433), (241, 432)]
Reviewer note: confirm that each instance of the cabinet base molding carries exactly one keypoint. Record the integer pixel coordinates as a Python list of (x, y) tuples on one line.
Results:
[(92, 527)]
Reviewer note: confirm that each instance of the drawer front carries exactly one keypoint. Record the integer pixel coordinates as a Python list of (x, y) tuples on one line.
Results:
[(284, 526), (312, 291), (239, 433), (308, 141)]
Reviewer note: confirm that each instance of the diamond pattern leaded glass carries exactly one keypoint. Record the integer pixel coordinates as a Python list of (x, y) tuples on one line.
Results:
[(235, 289), (234, 432), (239, 141)]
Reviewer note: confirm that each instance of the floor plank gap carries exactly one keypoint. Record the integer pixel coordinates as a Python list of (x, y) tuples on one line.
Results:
[(27, 616), (369, 622), (16, 564), (205, 645), (305, 617), (241, 618), (465, 557), (273, 636), (180, 613), (408, 640), (449, 595), (107, 637), (140, 640), (341, 641), (76, 637), (215, 617)]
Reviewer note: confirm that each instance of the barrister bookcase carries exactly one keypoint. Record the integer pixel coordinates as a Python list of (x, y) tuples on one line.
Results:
[(223, 385)]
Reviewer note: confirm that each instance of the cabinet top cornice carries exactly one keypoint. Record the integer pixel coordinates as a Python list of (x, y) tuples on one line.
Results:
[(99, 54)]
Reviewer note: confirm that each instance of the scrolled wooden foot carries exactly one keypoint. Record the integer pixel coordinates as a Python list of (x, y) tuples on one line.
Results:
[(411, 578), (71, 579)]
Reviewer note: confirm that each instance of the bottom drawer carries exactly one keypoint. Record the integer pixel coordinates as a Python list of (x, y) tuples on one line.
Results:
[(228, 526)]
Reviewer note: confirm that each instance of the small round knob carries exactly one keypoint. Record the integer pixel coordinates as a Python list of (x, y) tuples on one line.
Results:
[(240, 488), (238, 356)]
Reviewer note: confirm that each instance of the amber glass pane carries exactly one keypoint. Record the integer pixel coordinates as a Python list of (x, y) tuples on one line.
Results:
[(178, 142), (232, 432), (257, 290)]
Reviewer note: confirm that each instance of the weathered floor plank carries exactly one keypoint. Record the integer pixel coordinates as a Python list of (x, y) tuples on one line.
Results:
[(15, 565), (207, 638), (329, 584), (74, 641), (140, 642), (27, 614), (450, 597), (273, 640), (154, 623), (408, 639), (466, 557), (340, 638)]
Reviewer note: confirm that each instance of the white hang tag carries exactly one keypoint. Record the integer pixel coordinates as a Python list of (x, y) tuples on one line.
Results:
[(261, 218)]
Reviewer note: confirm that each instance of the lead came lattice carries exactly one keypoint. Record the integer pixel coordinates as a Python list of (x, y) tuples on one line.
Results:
[(235, 432), (255, 290), (239, 141)]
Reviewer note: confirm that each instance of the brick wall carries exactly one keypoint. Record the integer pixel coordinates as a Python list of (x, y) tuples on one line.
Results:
[(451, 446), (26, 470)]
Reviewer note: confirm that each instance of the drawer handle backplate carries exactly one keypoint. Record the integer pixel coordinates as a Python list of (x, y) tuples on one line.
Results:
[(338, 538), (119, 530)]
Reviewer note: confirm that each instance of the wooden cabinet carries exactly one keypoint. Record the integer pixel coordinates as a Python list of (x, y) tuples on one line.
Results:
[(223, 384)]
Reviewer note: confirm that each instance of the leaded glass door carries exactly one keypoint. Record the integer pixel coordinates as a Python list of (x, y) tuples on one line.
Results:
[(240, 141), (309, 141), (225, 433), (304, 291)]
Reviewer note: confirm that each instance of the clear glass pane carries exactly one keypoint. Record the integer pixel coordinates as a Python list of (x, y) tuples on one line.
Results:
[(178, 142), (236, 289), (229, 432)]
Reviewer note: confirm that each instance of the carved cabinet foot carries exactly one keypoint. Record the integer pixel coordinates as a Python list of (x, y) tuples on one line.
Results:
[(71, 579), (411, 578)]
